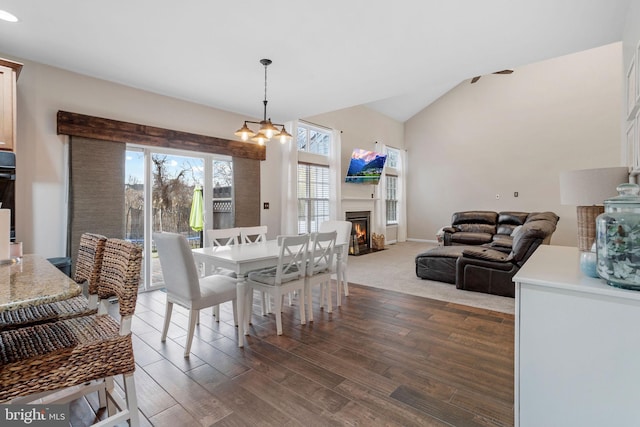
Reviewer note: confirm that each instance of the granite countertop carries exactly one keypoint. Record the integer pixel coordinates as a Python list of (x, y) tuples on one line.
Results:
[(33, 280)]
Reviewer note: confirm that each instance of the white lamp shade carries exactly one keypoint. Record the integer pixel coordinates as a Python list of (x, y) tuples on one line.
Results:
[(588, 187)]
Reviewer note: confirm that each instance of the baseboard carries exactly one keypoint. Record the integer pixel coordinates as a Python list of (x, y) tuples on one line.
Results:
[(435, 242)]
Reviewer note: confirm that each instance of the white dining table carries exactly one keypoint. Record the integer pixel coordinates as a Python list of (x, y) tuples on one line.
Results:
[(242, 259)]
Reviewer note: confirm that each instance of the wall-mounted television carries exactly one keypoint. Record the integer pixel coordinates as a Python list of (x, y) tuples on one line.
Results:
[(365, 167)]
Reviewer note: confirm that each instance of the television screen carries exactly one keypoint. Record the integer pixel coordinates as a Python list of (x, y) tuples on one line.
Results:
[(365, 167)]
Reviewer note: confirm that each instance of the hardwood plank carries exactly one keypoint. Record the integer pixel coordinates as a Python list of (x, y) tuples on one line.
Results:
[(382, 358), (434, 407), (189, 394), (175, 416), (403, 415), (315, 411), (249, 407)]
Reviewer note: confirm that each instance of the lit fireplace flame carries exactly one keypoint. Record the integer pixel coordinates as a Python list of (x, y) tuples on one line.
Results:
[(360, 232)]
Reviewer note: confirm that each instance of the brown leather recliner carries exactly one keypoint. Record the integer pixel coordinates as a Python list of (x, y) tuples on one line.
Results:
[(484, 269), (483, 228)]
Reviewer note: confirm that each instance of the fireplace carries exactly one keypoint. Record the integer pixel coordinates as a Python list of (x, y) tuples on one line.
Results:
[(360, 241)]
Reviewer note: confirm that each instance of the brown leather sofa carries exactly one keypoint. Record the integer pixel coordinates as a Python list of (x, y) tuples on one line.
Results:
[(485, 268), (483, 227)]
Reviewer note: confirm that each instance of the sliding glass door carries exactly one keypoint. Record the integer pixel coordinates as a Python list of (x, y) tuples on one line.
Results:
[(160, 189)]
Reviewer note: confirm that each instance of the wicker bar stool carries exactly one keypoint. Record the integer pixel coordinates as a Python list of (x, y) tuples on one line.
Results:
[(88, 264), (58, 362)]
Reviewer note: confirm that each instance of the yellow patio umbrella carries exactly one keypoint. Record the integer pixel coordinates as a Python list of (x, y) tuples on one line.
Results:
[(196, 217)]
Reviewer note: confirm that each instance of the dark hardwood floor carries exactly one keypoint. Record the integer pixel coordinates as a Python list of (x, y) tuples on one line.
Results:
[(382, 359)]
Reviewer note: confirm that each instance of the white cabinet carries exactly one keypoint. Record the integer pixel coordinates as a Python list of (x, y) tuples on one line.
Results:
[(577, 346)]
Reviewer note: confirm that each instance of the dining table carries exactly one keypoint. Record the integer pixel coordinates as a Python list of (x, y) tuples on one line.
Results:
[(242, 259), (32, 280)]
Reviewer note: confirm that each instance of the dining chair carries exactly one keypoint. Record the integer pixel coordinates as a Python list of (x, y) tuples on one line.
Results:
[(287, 276), (220, 237), (87, 271), (58, 362), (319, 269), (253, 234), (256, 234), (223, 236), (185, 287), (343, 228)]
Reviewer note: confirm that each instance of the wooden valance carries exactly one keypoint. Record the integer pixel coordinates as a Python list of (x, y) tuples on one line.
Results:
[(75, 124)]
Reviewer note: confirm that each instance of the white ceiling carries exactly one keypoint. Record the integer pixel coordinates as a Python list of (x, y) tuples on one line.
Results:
[(393, 56)]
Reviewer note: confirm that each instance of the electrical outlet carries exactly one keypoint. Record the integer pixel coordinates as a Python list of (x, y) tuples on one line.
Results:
[(497, 196), (265, 205), (515, 194)]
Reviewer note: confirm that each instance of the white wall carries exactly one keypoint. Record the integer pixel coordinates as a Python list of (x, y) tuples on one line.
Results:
[(361, 127), (502, 134), (41, 179), (517, 132), (41, 191)]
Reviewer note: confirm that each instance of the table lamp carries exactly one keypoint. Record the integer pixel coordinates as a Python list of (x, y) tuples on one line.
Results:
[(587, 189)]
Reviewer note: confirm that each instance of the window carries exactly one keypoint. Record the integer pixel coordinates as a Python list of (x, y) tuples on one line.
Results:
[(159, 189), (313, 197), (392, 158), (313, 176), (392, 177), (392, 199), (313, 140)]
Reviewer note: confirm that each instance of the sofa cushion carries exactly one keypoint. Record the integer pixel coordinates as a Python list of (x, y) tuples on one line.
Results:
[(543, 216), (506, 229), (502, 241), (474, 217), (513, 218), (463, 238), (442, 252), (486, 254), (476, 228), (439, 263)]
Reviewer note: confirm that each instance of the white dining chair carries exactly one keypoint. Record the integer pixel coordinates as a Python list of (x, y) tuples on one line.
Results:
[(253, 234), (185, 287), (287, 276), (221, 237), (319, 269), (343, 228), (256, 234)]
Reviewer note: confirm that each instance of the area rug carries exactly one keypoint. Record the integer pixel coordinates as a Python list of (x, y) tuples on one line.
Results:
[(394, 269)]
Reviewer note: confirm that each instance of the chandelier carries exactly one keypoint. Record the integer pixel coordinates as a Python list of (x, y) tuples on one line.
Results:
[(267, 129)]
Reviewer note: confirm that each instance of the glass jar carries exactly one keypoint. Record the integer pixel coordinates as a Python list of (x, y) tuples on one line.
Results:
[(618, 239)]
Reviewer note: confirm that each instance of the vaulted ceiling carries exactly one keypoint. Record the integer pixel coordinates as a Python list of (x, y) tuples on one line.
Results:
[(395, 57)]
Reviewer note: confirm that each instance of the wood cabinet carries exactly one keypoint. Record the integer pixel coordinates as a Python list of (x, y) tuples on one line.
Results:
[(9, 72), (576, 345)]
